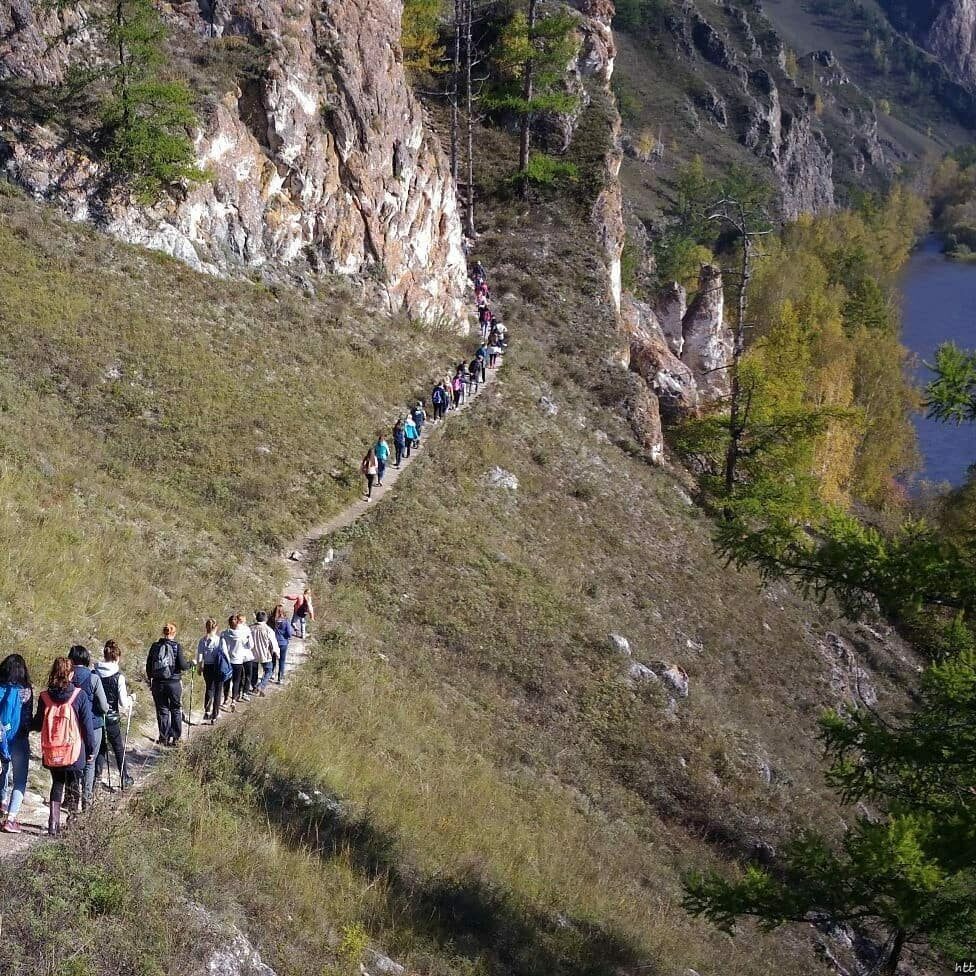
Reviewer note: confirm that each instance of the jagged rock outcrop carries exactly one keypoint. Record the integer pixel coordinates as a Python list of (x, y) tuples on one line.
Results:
[(322, 160), (707, 348), (951, 37), (671, 306), (798, 153), (668, 378)]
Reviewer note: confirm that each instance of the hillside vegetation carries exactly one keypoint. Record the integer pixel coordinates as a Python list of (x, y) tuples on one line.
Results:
[(465, 776)]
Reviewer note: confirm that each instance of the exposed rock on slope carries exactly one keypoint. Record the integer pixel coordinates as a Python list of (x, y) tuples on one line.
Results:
[(323, 159)]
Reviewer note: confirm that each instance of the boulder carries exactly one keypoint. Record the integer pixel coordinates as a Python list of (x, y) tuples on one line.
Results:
[(620, 644), (643, 410), (673, 677), (377, 964), (500, 478)]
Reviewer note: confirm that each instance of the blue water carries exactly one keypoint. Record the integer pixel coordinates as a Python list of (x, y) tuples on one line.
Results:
[(939, 304)]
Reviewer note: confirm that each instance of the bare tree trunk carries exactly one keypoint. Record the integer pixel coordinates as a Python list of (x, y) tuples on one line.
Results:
[(527, 81), (736, 415), (123, 64), (469, 119), (455, 93)]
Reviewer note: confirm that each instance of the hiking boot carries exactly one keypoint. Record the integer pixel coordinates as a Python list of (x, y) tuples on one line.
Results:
[(10, 826)]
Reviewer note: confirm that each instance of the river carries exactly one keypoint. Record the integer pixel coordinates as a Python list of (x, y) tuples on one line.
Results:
[(939, 304)]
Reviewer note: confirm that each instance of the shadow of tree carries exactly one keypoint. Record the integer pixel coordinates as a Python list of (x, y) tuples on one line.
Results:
[(470, 914)]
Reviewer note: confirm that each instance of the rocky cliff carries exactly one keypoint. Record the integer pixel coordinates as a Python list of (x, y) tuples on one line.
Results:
[(321, 160)]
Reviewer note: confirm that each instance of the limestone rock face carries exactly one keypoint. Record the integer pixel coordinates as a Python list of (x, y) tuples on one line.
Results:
[(707, 349), (324, 161), (644, 413), (952, 38), (670, 379), (671, 306)]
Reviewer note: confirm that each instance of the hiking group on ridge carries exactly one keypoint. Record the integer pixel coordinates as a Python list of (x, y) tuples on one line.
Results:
[(448, 392)]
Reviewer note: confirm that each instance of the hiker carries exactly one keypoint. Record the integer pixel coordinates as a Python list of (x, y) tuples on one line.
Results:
[(457, 386), (448, 389), (16, 713), (435, 401), (494, 351), (484, 320), (64, 719), (419, 417), (265, 649), (236, 642), (302, 613), (478, 272), (165, 663), (370, 467), (91, 684), (217, 670), (399, 442), (482, 354), (119, 701), (474, 374), (282, 631), (410, 433), (382, 452)]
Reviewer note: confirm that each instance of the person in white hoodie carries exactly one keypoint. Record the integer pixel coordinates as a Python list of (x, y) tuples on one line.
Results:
[(265, 648), (238, 645), (119, 703)]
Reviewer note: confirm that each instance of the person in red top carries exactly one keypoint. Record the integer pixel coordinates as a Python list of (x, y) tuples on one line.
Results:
[(303, 612)]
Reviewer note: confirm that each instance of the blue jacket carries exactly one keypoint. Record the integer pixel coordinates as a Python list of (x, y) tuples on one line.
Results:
[(90, 683), (283, 632), (26, 708), (83, 711)]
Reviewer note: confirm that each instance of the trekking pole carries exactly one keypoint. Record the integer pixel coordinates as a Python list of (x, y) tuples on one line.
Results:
[(125, 746)]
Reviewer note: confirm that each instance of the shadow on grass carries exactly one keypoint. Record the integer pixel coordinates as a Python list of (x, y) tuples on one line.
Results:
[(471, 915)]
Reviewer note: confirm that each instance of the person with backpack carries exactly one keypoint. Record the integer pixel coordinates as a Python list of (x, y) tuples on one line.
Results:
[(474, 376), (369, 467), (410, 433), (457, 388), (419, 416), (91, 684), (165, 664), (64, 719), (16, 714), (399, 442), (119, 702), (237, 643), (302, 613), (382, 451), (265, 649), (282, 631), (482, 354), (436, 400), (217, 670)]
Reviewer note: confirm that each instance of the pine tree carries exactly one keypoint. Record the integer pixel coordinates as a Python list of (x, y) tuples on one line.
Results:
[(147, 118), (532, 55)]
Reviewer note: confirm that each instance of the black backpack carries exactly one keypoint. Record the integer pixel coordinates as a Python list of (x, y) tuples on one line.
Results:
[(111, 685), (165, 662)]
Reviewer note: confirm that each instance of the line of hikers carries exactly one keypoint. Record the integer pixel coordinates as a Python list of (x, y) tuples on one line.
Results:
[(448, 393), (80, 712)]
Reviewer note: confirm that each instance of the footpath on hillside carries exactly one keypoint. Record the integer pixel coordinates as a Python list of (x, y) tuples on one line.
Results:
[(144, 754)]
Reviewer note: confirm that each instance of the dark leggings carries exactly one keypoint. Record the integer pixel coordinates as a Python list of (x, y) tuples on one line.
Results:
[(370, 478), (408, 448), (213, 692), (398, 449), (112, 736), (63, 777), (238, 681), (457, 397)]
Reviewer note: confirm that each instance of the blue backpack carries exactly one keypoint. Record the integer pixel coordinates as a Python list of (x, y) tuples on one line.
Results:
[(10, 703)]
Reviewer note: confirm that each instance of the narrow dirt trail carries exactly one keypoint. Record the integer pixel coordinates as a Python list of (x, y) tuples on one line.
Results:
[(144, 754)]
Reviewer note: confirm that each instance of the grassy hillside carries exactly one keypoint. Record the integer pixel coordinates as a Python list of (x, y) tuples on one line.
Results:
[(165, 433), (464, 776)]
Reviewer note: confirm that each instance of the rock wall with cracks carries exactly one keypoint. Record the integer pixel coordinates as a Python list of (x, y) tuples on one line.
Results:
[(323, 162)]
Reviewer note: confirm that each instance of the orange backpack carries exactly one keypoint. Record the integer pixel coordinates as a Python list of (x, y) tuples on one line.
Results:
[(60, 732)]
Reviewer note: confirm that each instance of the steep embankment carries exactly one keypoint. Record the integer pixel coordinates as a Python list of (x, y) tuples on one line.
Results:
[(316, 153)]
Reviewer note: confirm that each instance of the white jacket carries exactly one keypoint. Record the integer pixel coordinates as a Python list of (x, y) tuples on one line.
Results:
[(238, 644), (265, 645)]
